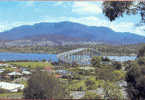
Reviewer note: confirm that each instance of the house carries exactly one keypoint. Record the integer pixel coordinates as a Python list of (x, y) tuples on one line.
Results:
[(13, 66), (63, 72), (3, 64), (13, 75), (26, 72), (48, 69), (2, 70), (23, 69), (17, 70), (58, 76), (106, 62), (12, 87)]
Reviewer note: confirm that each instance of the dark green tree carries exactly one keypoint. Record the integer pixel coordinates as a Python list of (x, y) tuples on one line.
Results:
[(141, 52), (115, 9), (43, 86), (105, 73), (141, 61), (96, 61), (135, 78), (117, 65)]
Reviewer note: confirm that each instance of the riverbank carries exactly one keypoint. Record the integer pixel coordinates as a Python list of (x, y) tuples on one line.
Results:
[(106, 50)]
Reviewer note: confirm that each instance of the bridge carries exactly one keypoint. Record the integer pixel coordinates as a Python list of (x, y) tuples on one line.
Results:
[(80, 56)]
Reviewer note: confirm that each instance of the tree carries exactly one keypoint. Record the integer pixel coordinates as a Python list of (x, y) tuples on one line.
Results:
[(74, 64), (135, 78), (141, 52), (112, 91), (119, 75), (43, 86), (90, 84), (117, 65), (106, 59), (118, 8), (105, 73), (44, 60), (141, 61), (96, 61)]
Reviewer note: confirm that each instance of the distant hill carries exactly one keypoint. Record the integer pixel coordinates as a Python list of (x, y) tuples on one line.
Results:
[(69, 32)]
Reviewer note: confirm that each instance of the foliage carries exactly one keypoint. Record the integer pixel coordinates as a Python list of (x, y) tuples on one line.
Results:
[(105, 73), (74, 64), (91, 95), (115, 9), (112, 91), (141, 60), (43, 86), (44, 60), (90, 84), (141, 52), (4, 90), (117, 65), (77, 85), (96, 61), (11, 95), (119, 75), (135, 78), (31, 64), (106, 59), (118, 8)]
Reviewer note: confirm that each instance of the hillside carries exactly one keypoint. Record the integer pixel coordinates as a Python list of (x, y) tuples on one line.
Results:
[(65, 33)]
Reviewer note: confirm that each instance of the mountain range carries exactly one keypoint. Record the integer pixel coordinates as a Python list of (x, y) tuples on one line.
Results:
[(67, 32)]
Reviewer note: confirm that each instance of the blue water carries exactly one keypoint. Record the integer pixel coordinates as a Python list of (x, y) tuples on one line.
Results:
[(122, 58), (26, 56), (7, 56)]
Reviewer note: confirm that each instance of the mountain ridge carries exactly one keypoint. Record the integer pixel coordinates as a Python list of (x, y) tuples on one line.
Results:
[(70, 32)]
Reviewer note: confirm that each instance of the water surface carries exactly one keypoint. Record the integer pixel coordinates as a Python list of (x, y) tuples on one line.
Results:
[(8, 56)]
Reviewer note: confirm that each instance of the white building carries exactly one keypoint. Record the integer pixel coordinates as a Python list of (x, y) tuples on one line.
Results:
[(26, 73), (1, 64), (12, 87), (14, 74)]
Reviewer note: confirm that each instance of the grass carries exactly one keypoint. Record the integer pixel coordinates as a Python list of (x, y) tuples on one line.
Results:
[(24, 83), (75, 85), (32, 64), (87, 68), (11, 95)]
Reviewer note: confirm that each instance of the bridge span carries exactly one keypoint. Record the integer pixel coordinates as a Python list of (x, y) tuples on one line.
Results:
[(80, 56)]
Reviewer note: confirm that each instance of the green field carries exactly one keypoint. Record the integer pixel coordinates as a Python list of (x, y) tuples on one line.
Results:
[(15, 95), (31, 64)]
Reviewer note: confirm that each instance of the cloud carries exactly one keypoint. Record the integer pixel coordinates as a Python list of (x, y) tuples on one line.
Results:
[(27, 3), (3, 27), (63, 3), (85, 8), (115, 26), (7, 26), (30, 3)]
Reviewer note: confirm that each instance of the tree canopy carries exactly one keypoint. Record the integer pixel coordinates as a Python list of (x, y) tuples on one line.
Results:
[(43, 86), (136, 82), (115, 9), (135, 77)]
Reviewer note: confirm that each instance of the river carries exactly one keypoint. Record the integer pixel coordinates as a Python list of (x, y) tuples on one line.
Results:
[(8, 56)]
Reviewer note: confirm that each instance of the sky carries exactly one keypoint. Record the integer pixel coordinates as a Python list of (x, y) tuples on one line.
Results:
[(18, 13)]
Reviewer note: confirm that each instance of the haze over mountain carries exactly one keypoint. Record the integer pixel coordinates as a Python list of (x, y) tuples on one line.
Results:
[(66, 32)]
